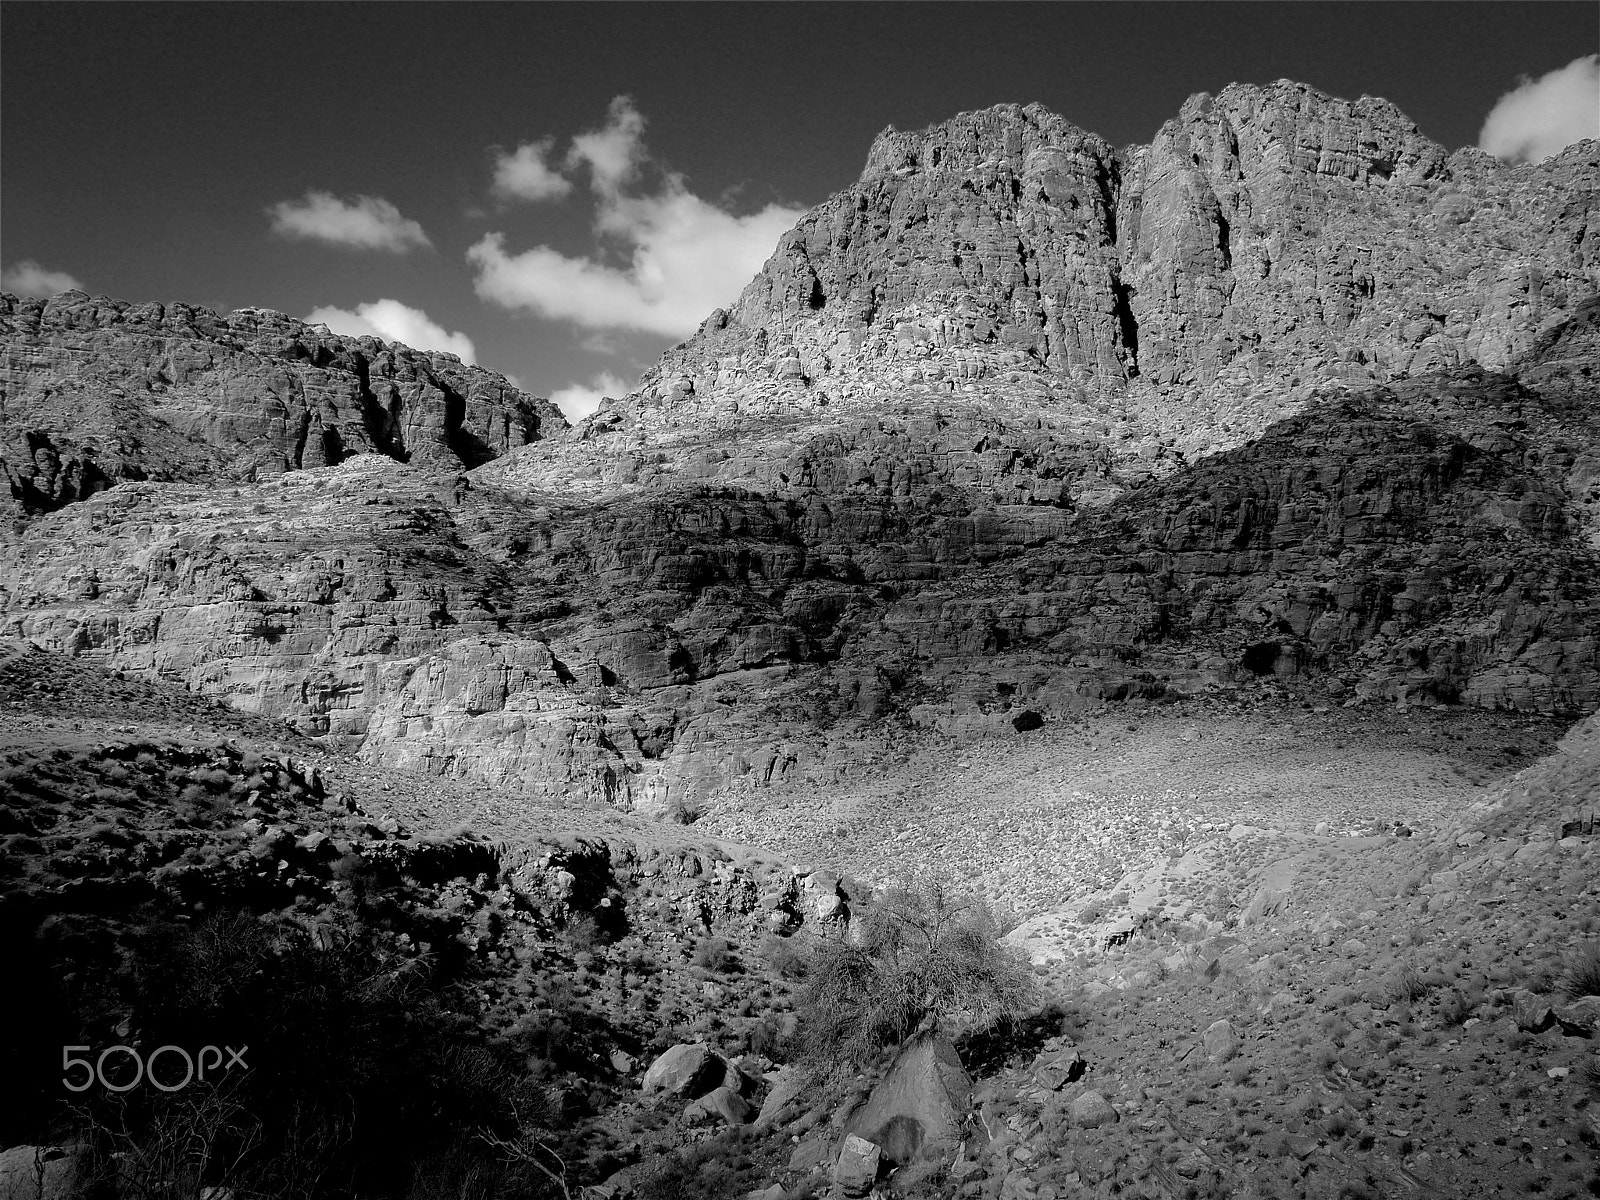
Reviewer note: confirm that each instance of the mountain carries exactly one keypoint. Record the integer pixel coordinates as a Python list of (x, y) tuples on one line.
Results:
[(1191, 550), (98, 392), (1289, 404)]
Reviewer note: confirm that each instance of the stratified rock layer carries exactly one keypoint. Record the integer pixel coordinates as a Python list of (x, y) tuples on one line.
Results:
[(95, 391), (1289, 400)]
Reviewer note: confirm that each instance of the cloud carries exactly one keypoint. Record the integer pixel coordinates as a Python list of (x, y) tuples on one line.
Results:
[(527, 174), (684, 255), (615, 151), (365, 223), (578, 400), (28, 278), (1543, 116), (395, 322)]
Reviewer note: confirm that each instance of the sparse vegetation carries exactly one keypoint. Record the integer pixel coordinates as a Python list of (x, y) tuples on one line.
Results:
[(922, 953), (1582, 974)]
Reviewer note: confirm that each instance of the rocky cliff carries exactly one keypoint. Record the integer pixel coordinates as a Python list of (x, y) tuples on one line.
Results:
[(1289, 402), (1267, 241), (96, 391)]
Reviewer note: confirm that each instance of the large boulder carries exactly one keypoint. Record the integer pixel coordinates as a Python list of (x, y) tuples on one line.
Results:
[(688, 1069), (915, 1111)]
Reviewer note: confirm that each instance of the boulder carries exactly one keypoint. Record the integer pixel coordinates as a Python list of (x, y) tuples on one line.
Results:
[(42, 1172), (1091, 1110), (1056, 1069), (1532, 1013), (1580, 1017), (1221, 1042), (782, 1099), (916, 1109), (688, 1069), (722, 1104), (856, 1169)]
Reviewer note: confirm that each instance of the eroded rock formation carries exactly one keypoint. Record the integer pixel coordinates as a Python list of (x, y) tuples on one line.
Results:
[(95, 391), (1290, 399)]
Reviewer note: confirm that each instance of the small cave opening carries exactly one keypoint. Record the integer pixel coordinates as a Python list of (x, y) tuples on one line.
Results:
[(1260, 658)]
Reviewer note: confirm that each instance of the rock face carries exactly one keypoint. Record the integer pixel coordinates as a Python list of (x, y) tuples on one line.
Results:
[(1268, 240), (1289, 400), (916, 1109), (97, 391)]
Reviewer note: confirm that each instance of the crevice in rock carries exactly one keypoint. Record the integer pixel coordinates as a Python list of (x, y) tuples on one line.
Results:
[(1127, 323)]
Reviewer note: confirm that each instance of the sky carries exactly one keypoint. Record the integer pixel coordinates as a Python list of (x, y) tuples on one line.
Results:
[(561, 191)]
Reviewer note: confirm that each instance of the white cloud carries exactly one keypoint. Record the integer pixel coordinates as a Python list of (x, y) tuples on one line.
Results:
[(395, 322), (615, 151), (28, 278), (527, 174), (685, 255), (1543, 116), (365, 223), (578, 400)]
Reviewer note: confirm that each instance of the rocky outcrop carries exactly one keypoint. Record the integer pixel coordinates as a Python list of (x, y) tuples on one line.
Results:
[(96, 391)]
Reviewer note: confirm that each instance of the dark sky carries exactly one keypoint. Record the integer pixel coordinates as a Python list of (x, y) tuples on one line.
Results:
[(143, 143)]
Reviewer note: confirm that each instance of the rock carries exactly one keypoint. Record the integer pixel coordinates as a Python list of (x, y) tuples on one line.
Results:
[(689, 1070), (809, 1152), (622, 1062), (915, 1110), (113, 391), (1290, 368), (1221, 1042), (856, 1169), (720, 1104), (783, 1096), (1092, 1110), (1056, 1069), (42, 1172), (1531, 1013), (1579, 1017)]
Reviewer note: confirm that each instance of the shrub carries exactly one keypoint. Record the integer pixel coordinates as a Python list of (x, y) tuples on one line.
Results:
[(922, 955), (786, 956), (1405, 985), (714, 954), (1582, 974)]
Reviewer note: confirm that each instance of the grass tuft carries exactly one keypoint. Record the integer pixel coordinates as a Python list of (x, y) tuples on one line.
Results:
[(1582, 974)]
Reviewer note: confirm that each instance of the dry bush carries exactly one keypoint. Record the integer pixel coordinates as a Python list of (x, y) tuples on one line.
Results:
[(919, 954), (1582, 974)]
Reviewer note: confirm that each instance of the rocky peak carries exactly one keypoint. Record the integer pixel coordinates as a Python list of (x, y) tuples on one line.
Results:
[(972, 140), (1267, 243), (97, 390)]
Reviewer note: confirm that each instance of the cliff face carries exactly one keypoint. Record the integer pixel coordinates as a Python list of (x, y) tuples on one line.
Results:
[(1287, 403), (93, 392), (1269, 240)]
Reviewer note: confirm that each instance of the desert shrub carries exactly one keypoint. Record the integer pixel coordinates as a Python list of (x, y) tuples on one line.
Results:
[(716, 955), (719, 1168), (1405, 985), (1454, 1009), (921, 954), (786, 956), (1582, 974)]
